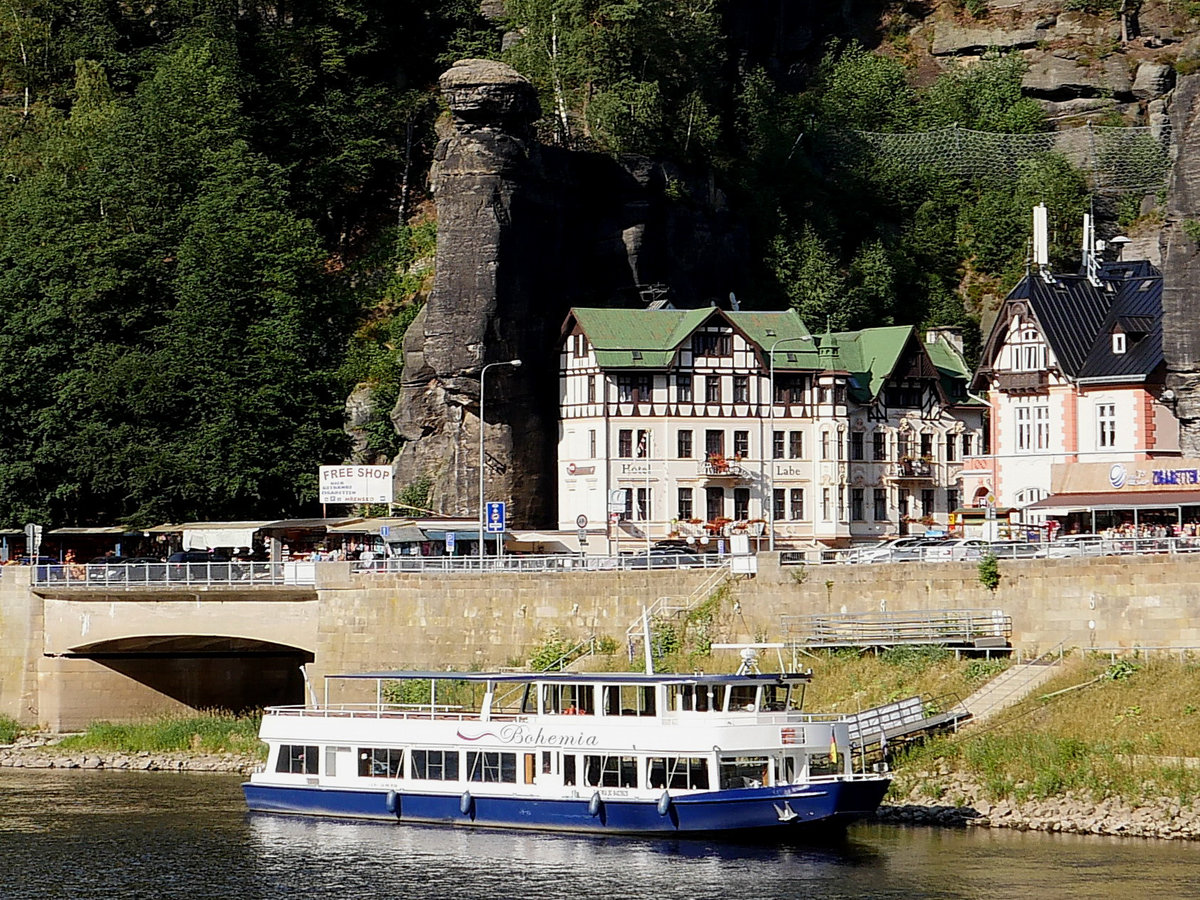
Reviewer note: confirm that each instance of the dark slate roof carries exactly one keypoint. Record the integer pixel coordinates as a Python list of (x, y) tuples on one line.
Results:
[(1078, 318)]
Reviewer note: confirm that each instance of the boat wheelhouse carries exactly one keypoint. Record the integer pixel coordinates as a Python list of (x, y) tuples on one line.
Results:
[(606, 753)]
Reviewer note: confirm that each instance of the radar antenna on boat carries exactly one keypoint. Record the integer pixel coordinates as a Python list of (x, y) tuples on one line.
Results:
[(749, 655)]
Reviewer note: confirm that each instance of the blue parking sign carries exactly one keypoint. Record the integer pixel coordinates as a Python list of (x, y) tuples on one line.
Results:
[(495, 518), (450, 539)]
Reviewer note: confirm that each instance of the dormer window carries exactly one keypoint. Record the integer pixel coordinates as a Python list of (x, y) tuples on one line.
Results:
[(1118, 342)]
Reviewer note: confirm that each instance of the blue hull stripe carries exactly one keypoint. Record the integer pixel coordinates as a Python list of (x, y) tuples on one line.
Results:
[(829, 803)]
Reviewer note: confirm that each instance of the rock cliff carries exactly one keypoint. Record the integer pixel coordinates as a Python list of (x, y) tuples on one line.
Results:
[(525, 232)]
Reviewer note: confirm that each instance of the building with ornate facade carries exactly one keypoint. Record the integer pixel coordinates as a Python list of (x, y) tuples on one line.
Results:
[(1073, 374), (704, 423)]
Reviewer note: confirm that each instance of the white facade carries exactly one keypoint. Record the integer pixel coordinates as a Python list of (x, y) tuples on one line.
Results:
[(694, 447)]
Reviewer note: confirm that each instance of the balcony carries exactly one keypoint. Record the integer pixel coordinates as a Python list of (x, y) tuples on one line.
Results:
[(910, 470), (717, 466), (1022, 382)]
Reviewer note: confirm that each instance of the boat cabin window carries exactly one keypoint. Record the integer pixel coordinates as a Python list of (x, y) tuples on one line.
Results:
[(380, 762), (297, 759), (435, 765), (568, 767), (610, 771), (628, 700), (491, 767), (677, 772), (569, 699), (744, 771), (775, 697), (710, 697), (743, 697)]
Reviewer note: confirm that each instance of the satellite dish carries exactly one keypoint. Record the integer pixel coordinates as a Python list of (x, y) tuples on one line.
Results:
[(733, 302)]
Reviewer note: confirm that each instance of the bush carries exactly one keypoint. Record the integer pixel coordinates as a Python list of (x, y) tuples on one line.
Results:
[(989, 572), (213, 733), (9, 729)]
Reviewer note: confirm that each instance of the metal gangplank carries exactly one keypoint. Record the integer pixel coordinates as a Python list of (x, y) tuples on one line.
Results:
[(904, 721), (987, 629)]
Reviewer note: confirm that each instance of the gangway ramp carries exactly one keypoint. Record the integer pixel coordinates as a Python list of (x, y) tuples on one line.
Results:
[(976, 629), (905, 720)]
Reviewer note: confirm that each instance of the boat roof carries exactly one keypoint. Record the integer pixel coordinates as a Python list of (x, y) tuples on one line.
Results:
[(636, 678)]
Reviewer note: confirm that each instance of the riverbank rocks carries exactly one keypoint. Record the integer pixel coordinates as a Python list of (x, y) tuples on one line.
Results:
[(44, 755), (962, 803)]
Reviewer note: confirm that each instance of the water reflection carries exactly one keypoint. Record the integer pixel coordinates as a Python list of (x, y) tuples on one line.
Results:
[(100, 835)]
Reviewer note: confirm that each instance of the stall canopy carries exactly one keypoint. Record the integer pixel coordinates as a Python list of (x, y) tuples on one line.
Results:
[(211, 535), (396, 531), (1065, 504)]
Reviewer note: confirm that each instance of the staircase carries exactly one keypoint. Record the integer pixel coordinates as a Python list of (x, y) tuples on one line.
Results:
[(671, 606), (1011, 686)]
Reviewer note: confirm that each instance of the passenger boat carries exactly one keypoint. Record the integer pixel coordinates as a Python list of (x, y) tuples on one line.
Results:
[(602, 753)]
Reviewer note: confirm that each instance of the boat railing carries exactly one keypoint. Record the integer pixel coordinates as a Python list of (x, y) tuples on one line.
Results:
[(382, 711)]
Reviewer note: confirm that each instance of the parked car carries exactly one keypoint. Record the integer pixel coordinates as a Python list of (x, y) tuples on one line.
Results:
[(955, 550), (1076, 545), (104, 569), (1014, 549), (666, 558), (903, 549), (199, 565), (47, 568)]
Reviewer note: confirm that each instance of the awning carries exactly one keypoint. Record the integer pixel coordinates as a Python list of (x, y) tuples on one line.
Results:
[(95, 530), (1062, 504), (403, 534), (210, 535)]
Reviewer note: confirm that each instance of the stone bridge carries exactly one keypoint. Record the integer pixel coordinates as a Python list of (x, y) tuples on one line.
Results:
[(72, 655)]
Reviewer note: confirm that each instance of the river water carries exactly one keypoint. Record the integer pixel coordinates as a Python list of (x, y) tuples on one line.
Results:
[(155, 835)]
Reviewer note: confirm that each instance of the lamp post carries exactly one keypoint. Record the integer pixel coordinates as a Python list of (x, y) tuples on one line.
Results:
[(771, 437), (515, 363)]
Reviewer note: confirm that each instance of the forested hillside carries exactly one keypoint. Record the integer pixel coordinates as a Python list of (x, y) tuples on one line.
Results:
[(215, 221)]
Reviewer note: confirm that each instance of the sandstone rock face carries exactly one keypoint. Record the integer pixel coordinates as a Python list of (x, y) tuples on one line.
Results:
[(1152, 80), (1059, 76), (525, 232), (1181, 266), (481, 308)]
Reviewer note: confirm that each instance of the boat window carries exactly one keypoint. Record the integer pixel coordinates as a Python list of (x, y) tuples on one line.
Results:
[(435, 765), (682, 697), (570, 699), (774, 697), (710, 697), (547, 762), (744, 771), (743, 697), (629, 700), (568, 766), (483, 765), (677, 772), (298, 759), (785, 769), (610, 771), (380, 762)]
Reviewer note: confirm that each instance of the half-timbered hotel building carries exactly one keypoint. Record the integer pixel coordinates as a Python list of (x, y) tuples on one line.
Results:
[(704, 423)]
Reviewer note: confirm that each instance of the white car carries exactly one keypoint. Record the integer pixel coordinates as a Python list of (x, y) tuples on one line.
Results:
[(1077, 545), (956, 550)]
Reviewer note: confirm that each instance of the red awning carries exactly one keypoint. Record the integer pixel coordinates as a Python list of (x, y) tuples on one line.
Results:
[(1067, 503)]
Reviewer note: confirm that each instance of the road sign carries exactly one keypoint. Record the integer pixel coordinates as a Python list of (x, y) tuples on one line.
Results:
[(581, 521), (495, 518), (450, 538), (616, 500), (384, 530), (33, 538), (582, 536), (614, 517)]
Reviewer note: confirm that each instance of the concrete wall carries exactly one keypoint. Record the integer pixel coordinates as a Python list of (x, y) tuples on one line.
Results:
[(20, 644)]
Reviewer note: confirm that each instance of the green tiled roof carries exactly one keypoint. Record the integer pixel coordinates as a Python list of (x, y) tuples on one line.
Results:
[(650, 338)]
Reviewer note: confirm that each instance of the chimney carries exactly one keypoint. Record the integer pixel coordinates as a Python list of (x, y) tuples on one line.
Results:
[(1041, 237), (951, 334)]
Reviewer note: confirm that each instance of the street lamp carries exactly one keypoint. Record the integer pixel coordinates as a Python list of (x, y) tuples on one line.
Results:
[(515, 363), (771, 436)]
